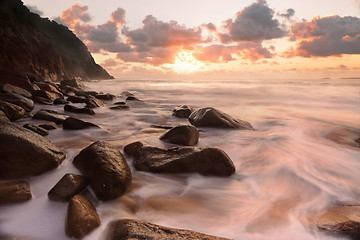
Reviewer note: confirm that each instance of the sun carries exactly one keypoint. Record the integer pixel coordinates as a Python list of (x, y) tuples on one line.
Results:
[(185, 63)]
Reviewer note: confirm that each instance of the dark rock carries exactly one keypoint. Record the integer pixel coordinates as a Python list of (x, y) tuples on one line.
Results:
[(106, 97), (42, 100), (132, 98), (68, 186), (93, 102), (70, 108), (120, 107), (129, 229), (106, 169), (161, 126), (77, 99), (132, 149), (8, 88), (127, 94), (86, 93), (211, 117), (120, 103), (39, 130), (26, 103), (76, 124), (25, 153), (182, 111), (3, 116), (206, 161), (183, 135), (14, 192), (16, 78), (50, 87), (49, 126), (67, 90), (82, 217), (75, 82), (51, 96), (13, 112), (50, 115), (60, 100)]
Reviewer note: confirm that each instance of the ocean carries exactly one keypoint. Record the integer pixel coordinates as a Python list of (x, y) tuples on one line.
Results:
[(301, 158)]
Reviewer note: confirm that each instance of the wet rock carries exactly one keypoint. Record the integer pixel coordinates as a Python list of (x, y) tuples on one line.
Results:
[(127, 94), (50, 115), (50, 96), (132, 98), (3, 117), (68, 186), (120, 103), (82, 217), (39, 130), (161, 126), (182, 111), (14, 192), (206, 161), (18, 79), (120, 107), (49, 126), (132, 149), (60, 100), (76, 124), (106, 97), (25, 153), (86, 93), (183, 135), (108, 173), (42, 100), (26, 103), (70, 108), (126, 229), (211, 117), (93, 102), (8, 88), (49, 87), (13, 112), (75, 82), (77, 99)]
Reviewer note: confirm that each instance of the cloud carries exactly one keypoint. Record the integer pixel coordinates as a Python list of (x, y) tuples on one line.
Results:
[(118, 16), (253, 23), (34, 9), (109, 63), (327, 36), (77, 13), (288, 14), (210, 27), (357, 3)]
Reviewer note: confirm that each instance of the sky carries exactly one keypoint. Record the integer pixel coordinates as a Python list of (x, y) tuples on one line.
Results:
[(215, 38)]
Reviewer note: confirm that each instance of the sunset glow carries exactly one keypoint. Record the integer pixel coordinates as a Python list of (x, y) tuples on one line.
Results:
[(185, 63)]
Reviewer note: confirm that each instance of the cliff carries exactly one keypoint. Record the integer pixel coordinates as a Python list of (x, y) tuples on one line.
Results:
[(42, 49)]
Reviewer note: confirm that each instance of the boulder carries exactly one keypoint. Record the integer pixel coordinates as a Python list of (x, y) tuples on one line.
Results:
[(25, 153), (75, 82), (82, 217), (26, 103), (50, 87), (126, 94), (120, 107), (13, 112), (76, 124), (8, 88), (106, 97), (48, 126), (132, 149), (50, 96), (3, 116), (68, 186), (211, 117), (77, 99), (41, 100), (60, 100), (108, 172), (183, 135), (129, 229), (39, 130), (206, 161), (132, 98), (93, 102), (182, 111), (70, 108), (17, 79), (50, 115), (14, 192)]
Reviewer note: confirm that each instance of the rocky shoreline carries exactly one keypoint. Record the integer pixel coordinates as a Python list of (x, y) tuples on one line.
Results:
[(25, 152)]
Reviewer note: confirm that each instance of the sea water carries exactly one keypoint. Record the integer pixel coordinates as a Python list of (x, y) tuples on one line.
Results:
[(300, 159)]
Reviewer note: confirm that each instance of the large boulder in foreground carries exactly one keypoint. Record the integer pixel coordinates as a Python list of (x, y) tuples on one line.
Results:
[(14, 192), (82, 217), (206, 161), (26, 103), (68, 186), (126, 229), (183, 135), (25, 153), (108, 173), (211, 117)]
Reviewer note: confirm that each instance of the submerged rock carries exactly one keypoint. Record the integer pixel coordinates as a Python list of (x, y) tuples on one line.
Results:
[(68, 186), (76, 124), (206, 161), (182, 111), (132, 149), (93, 102), (13, 112), (50, 115), (108, 172), (37, 129), (82, 217), (14, 192), (183, 135), (132, 98), (211, 117), (106, 96), (49, 126), (26, 103), (120, 107), (129, 229), (70, 108), (25, 153)]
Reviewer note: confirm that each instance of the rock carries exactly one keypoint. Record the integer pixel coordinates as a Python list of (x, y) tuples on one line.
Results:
[(108, 173), (132, 148), (82, 217), (120, 103), (14, 192), (86, 93), (93, 102), (3, 117), (60, 100), (107, 96), (26, 103), (211, 117), (41, 100), (206, 161), (182, 111), (120, 107), (76, 124), (77, 99), (50, 115), (49, 126), (50, 87), (25, 153), (129, 229), (70, 108), (50, 96), (39, 130), (132, 98), (160, 126), (75, 82), (18, 79), (68, 186), (183, 135), (13, 112), (127, 94), (8, 88)]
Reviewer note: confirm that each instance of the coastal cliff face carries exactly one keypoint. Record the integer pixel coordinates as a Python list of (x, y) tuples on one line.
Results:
[(42, 49)]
